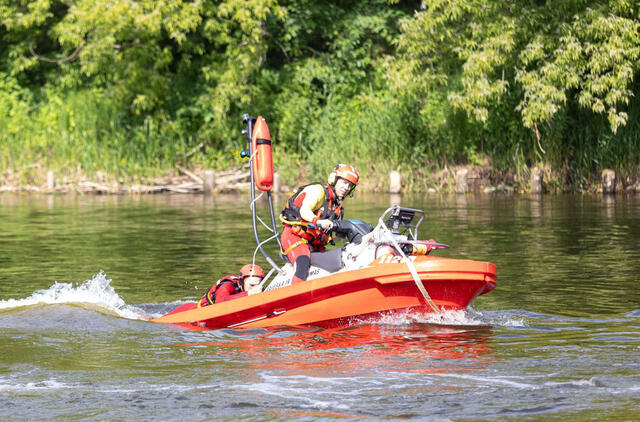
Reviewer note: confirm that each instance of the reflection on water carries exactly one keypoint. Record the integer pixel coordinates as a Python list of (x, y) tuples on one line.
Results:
[(379, 346)]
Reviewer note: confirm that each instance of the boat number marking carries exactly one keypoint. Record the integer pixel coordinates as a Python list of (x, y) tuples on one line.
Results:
[(397, 259)]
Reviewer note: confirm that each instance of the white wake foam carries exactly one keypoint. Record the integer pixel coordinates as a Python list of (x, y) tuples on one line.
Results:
[(461, 317), (32, 386), (97, 291)]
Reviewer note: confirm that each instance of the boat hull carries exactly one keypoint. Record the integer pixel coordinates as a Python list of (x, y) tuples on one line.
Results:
[(383, 287)]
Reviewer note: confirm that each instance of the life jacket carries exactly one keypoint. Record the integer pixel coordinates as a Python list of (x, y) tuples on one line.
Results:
[(330, 210), (210, 297)]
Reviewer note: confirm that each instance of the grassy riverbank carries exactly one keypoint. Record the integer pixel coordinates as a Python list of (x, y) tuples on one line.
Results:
[(293, 172), (80, 138)]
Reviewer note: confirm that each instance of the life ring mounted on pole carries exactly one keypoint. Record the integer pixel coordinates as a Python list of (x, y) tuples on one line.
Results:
[(262, 155)]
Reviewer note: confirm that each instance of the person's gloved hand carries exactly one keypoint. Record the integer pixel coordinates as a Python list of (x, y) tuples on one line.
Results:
[(325, 224)]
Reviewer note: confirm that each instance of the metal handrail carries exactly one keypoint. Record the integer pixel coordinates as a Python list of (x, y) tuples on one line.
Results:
[(249, 121), (396, 210)]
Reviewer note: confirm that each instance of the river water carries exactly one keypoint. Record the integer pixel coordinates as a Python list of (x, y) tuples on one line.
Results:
[(558, 339)]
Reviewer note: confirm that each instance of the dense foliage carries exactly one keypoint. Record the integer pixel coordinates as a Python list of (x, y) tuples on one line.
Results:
[(135, 86)]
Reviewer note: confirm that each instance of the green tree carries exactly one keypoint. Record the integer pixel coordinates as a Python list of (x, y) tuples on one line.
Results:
[(542, 59)]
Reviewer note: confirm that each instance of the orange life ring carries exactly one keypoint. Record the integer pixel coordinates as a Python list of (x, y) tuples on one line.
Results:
[(262, 155)]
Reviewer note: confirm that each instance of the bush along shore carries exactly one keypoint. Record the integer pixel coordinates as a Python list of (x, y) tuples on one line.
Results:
[(459, 179)]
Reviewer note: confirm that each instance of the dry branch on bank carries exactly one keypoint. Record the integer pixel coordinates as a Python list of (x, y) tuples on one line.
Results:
[(460, 179), (187, 182)]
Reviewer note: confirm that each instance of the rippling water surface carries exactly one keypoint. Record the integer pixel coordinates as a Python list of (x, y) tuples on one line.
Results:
[(558, 339)]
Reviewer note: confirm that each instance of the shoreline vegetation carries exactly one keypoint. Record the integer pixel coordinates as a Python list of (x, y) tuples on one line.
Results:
[(120, 96)]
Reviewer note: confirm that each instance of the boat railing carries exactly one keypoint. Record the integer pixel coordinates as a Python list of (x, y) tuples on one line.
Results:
[(399, 220), (248, 132)]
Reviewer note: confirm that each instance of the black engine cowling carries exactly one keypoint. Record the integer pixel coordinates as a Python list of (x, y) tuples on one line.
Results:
[(352, 230)]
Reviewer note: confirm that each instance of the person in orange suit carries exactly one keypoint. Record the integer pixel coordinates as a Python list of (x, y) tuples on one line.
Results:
[(233, 286), (310, 215)]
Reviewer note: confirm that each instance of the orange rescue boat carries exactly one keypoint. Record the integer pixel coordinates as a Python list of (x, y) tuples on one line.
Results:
[(380, 271), (351, 296)]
